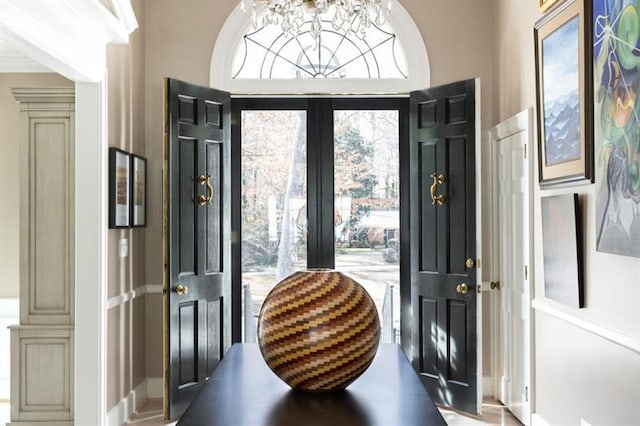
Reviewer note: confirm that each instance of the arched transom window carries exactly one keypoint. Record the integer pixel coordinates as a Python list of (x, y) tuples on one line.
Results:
[(388, 58)]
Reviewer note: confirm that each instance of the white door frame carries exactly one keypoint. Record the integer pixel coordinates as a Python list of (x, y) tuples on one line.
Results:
[(521, 122), (51, 34)]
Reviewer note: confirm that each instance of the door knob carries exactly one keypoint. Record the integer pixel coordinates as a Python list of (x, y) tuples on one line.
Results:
[(462, 288), (181, 290)]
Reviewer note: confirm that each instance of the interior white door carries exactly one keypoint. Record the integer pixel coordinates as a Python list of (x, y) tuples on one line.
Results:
[(514, 254)]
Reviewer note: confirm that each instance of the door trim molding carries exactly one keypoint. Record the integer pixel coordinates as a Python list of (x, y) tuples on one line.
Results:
[(615, 336)]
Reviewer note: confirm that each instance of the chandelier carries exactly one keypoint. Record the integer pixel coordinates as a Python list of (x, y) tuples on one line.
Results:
[(345, 15)]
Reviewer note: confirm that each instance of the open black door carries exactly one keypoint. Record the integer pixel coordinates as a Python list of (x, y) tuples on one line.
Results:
[(442, 316), (197, 238)]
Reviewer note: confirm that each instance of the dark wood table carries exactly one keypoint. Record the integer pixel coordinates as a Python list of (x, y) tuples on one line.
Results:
[(242, 391)]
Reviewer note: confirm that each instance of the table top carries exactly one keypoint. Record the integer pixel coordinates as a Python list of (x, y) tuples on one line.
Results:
[(243, 391)]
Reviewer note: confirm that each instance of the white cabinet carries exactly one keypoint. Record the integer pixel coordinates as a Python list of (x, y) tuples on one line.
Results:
[(42, 344)]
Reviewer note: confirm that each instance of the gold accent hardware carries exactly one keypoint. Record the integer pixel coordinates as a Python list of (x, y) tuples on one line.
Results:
[(495, 285), (437, 180), (470, 263), (462, 288), (181, 290), (202, 180)]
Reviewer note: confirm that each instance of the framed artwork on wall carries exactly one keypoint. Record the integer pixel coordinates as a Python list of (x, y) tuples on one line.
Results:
[(616, 72), (564, 95), (138, 191), (546, 4), (119, 187), (562, 249)]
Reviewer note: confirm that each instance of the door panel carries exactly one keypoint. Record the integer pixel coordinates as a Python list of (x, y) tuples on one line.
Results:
[(196, 239), (444, 290)]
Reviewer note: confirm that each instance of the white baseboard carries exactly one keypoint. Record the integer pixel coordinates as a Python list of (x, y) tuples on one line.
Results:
[(130, 404), (537, 420), (154, 387), (487, 386)]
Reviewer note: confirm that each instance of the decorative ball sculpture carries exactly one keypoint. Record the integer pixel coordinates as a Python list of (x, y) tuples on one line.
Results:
[(318, 330)]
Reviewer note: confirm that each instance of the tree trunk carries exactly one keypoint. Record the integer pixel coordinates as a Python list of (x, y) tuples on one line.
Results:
[(287, 247)]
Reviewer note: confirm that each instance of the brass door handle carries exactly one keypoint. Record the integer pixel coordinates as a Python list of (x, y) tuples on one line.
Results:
[(202, 180), (462, 288), (181, 290), (437, 180)]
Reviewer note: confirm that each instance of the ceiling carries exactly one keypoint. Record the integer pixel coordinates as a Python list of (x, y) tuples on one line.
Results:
[(56, 23)]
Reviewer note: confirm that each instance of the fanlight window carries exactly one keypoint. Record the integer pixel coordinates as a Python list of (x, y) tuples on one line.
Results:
[(266, 53)]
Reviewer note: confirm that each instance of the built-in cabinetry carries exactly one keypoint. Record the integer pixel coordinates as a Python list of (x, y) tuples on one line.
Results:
[(42, 345)]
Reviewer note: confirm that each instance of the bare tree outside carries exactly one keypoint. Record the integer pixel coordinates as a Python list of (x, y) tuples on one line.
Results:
[(274, 204)]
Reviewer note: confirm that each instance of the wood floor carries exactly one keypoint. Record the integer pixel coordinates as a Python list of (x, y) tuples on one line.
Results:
[(494, 413)]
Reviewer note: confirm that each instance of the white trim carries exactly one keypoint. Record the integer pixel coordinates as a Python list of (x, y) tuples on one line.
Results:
[(405, 28), (9, 307), (479, 253), (154, 387), (129, 405), (538, 420), (560, 312), (90, 263), (127, 296), (153, 288), (487, 386), (66, 36)]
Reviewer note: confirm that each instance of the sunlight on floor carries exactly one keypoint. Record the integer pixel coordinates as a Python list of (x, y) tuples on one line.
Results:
[(493, 413), (150, 415)]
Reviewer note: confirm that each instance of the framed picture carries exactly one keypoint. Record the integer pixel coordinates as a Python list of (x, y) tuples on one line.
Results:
[(546, 4), (564, 95), (616, 72), (562, 249), (138, 190), (119, 188)]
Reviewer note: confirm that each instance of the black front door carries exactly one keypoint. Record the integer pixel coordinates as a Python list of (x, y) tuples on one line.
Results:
[(197, 224), (441, 307)]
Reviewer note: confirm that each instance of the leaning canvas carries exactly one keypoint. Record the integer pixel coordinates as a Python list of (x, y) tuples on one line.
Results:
[(561, 248)]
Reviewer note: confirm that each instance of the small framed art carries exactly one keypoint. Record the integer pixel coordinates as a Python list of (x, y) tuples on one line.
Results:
[(138, 191), (119, 188)]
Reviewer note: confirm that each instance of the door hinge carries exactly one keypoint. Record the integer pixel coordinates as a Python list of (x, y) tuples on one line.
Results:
[(526, 273), (526, 393), (525, 151)]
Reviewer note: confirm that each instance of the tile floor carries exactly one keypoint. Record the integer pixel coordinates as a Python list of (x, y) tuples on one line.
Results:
[(494, 413)]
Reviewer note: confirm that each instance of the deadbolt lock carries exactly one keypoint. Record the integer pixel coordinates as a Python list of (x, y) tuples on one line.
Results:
[(470, 263)]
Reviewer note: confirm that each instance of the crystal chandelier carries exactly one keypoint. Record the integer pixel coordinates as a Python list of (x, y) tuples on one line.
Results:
[(344, 15)]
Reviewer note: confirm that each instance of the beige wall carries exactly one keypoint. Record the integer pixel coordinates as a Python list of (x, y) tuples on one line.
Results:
[(579, 375), (492, 40), (9, 173), (126, 130), (179, 43)]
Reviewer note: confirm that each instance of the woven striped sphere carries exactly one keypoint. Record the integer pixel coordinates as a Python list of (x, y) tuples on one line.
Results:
[(318, 330)]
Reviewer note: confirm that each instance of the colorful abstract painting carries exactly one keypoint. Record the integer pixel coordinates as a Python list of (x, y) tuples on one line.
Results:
[(616, 72)]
